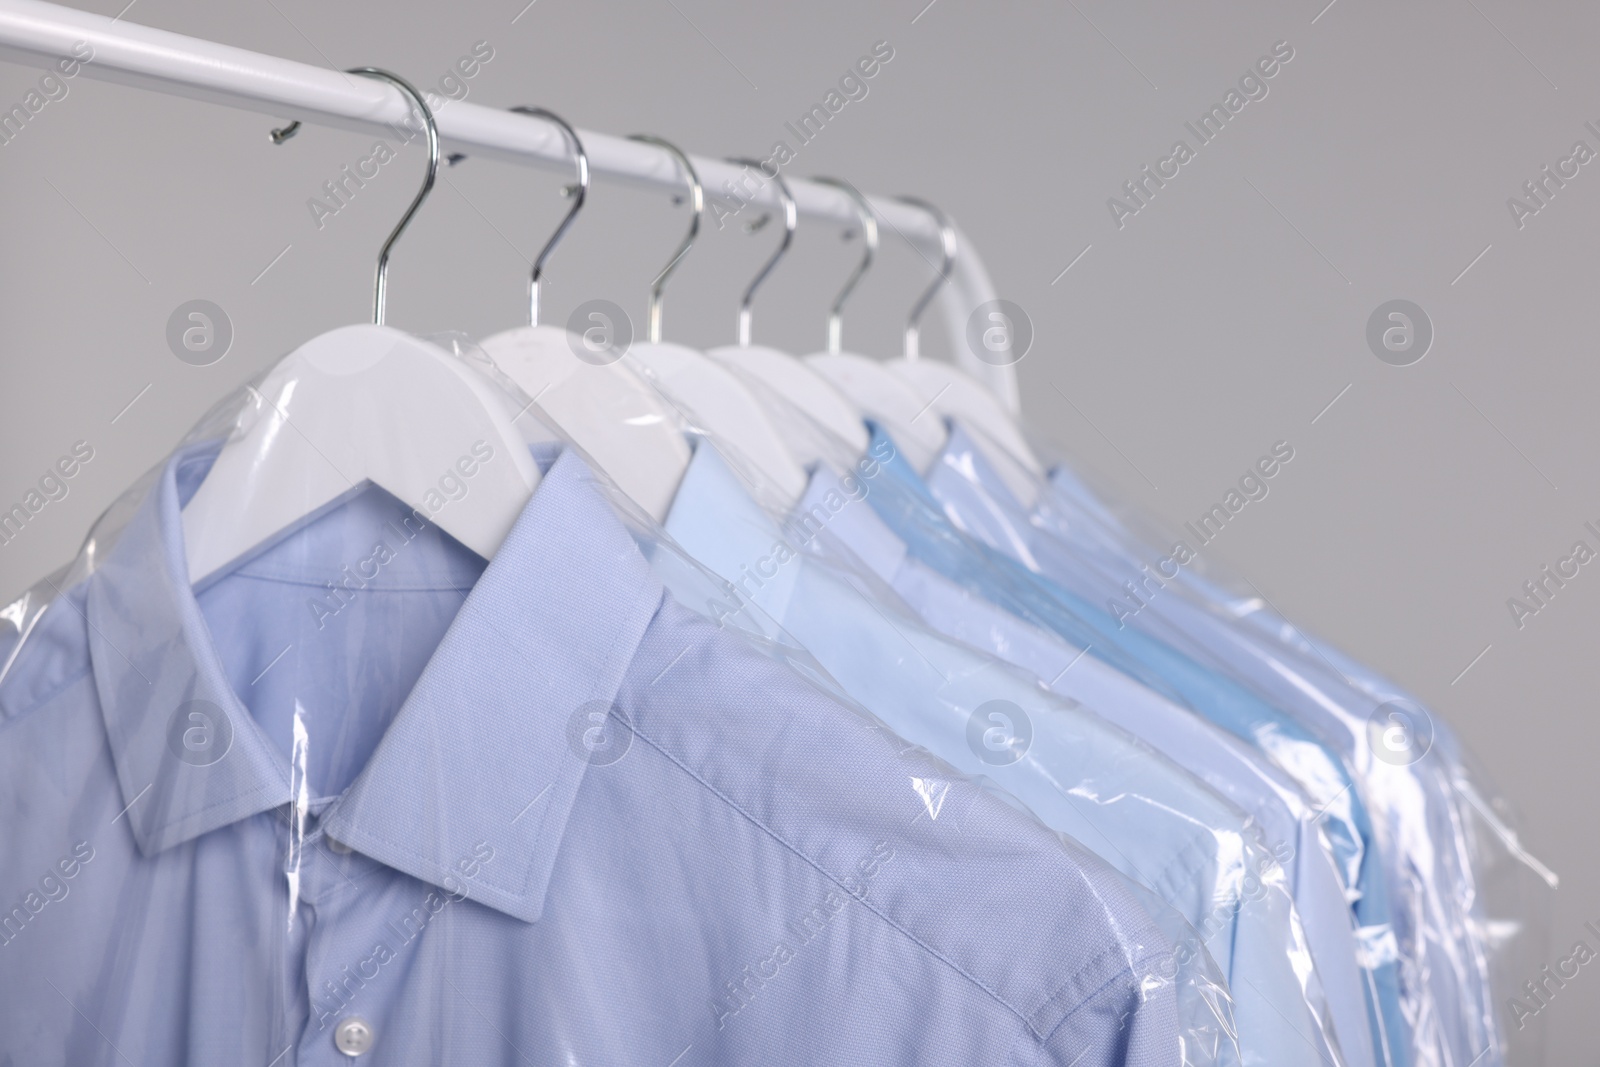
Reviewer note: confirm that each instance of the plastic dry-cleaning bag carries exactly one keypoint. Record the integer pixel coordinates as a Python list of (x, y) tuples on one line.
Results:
[(363, 790)]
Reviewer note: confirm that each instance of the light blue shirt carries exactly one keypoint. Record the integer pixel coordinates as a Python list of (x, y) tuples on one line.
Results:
[(1074, 770), (1450, 921), (975, 499), (913, 513), (533, 811), (1289, 825)]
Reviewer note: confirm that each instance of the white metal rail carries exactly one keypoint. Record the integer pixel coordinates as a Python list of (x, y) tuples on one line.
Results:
[(37, 34)]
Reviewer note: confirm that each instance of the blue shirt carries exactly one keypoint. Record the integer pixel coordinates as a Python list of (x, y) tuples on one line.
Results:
[(975, 500), (918, 518), (529, 811), (1074, 770), (1291, 828), (1459, 921)]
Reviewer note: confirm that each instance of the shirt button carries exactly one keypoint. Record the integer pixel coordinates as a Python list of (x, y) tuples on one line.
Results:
[(338, 846), (353, 1036)]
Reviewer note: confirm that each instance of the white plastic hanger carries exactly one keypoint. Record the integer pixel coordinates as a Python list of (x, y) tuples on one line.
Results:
[(783, 374), (884, 397), (957, 394), (359, 404), (622, 423), (703, 391)]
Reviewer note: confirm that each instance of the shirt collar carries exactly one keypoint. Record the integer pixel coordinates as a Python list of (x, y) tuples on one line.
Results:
[(478, 754), (976, 499), (898, 466), (964, 459), (720, 524), (907, 508), (829, 504)]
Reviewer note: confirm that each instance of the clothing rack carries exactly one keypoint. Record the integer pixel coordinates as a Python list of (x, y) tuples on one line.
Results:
[(37, 33)]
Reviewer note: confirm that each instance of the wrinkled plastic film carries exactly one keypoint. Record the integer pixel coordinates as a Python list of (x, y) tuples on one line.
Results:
[(1385, 940), (1264, 930), (1105, 776), (894, 695), (929, 692), (1019, 598), (1392, 940), (264, 818), (1476, 900)]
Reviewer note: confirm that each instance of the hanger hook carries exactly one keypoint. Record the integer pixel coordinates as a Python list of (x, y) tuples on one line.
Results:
[(790, 219), (869, 230), (582, 159), (947, 243), (697, 202), (380, 287)]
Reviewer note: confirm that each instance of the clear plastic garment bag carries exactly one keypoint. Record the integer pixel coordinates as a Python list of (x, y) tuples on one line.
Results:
[(455, 764), (1467, 915), (543, 700)]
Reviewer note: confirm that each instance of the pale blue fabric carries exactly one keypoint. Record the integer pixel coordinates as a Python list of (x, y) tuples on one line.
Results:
[(534, 811), (1289, 824), (1448, 916), (973, 496), (913, 513), (1075, 771)]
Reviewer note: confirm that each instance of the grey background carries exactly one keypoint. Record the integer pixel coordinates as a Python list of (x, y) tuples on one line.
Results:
[(1225, 316)]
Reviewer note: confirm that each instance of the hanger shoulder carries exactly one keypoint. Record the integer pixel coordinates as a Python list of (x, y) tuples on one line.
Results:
[(613, 416), (965, 399), (911, 420), (800, 385), (362, 404), (709, 396)]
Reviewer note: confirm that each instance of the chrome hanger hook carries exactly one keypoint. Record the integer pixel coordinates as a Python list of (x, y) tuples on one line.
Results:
[(790, 219), (380, 287), (947, 243), (697, 202), (869, 231), (582, 158)]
